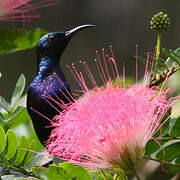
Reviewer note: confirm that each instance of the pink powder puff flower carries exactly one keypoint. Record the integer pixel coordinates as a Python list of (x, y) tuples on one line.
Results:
[(109, 125), (22, 10)]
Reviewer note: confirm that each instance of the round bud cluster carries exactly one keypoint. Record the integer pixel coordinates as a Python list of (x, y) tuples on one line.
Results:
[(160, 22)]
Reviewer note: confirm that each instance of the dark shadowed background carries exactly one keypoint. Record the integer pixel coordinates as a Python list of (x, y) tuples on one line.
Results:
[(122, 23)]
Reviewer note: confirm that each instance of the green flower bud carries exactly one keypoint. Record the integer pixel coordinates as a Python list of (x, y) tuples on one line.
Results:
[(160, 22)]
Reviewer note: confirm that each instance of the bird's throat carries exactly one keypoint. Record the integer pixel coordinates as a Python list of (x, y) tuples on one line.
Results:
[(47, 65)]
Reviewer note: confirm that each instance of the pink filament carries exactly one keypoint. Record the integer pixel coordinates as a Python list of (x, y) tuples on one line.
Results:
[(97, 128), (22, 10)]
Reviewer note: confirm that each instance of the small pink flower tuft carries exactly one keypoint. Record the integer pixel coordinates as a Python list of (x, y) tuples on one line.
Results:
[(110, 125), (22, 10)]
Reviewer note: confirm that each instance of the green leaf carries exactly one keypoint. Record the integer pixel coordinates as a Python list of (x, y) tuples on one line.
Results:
[(11, 144), (2, 139), (4, 104), (33, 136), (14, 114), (23, 143), (76, 171), (29, 154), (153, 147), (177, 161), (8, 177), (13, 177), (17, 92), (67, 171), (20, 115), (173, 56), (101, 175), (168, 151), (1, 117), (28, 178), (55, 172), (38, 171), (20, 39), (175, 129)]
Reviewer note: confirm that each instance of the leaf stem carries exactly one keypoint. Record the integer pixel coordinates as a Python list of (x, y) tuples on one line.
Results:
[(135, 174), (167, 138), (103, 174), (115, 176), (158, 49), (16, 167), (161, 161)]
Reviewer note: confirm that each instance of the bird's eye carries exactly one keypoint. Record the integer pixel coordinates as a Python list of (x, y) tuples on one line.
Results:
[(51, 38)]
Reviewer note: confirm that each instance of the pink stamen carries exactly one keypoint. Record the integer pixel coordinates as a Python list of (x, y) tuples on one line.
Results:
[(105, 64), (76, 75), (111, 66), (89, 73), (152, 65), (101, 68), (107, 121), (146, 70), (165, 81), (124, 75), (22, 10), (136, 63), (64, 87), (40, 114), (49, 97), (116, 69)]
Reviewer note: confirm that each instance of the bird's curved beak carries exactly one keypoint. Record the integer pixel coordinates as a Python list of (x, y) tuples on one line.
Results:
[(71, 32)]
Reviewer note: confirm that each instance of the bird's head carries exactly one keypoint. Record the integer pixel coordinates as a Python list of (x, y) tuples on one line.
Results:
[(53, 44)]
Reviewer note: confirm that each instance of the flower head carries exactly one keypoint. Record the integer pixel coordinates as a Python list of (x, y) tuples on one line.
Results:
[(22, 10), (160, 22), (109, 125)]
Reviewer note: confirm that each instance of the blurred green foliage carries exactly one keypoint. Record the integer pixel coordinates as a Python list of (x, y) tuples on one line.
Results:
[(20, 39)]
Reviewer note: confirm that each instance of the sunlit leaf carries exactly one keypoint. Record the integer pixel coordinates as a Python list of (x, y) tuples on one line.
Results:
[(55, 172), (29, 154), (20, 39), (101, 175), (8, 177), (4, 104), (33, 136), (2, 139), (28, 178), (17, 93), (38, 171), (13, 177), (67, 171), (21, 152), (17, 117), (1, 117), (11, 144), (76, 171), (14, 114)]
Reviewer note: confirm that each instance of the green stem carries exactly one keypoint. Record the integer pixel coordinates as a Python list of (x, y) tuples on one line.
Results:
[(103, 174), (158, 49), (135, 173), (167, 138), (115, 176), (161, 161), (17, 168)]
